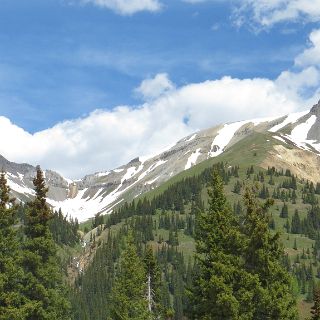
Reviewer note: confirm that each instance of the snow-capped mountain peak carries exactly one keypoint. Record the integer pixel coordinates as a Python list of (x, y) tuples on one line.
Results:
[(101, 191)]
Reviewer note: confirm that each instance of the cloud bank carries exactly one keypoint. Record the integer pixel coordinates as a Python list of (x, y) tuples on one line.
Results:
[(107, 139)]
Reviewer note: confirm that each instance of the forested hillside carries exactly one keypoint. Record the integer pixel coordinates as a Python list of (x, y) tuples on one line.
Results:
[(167, 221), (223, 245)]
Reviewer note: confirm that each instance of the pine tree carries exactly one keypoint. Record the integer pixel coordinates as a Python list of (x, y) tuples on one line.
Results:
[(296, 223), (13, 304), (237, 187), (43, 281), (263, 257), (284, 211), (219, 286), (128, 298)]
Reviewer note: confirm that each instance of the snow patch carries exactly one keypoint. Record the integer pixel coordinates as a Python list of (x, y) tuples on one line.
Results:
[(97, 193), (192, 160), (224, 136), (300, 133), (84, 208), (261, 120), (152, 181), (151, 168), (280, 139), (20, 189), (102, 174), (20, 175), (191, 138), (131, 172), (291, 118), (118, 170)]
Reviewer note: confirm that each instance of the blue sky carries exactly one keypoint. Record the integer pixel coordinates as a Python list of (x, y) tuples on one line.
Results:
[(176, 66), (61, 60)]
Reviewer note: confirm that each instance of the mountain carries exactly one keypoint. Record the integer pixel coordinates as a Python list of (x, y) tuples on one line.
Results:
[(291, 141)]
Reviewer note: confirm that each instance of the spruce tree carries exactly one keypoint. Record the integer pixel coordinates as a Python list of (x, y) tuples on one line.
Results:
[(13, 304), (128, 297), (220, 284), (296, 223), (43, 280), (284, 211), (263, 257)]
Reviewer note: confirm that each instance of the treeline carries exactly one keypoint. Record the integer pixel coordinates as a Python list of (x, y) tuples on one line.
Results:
[(174, 198)]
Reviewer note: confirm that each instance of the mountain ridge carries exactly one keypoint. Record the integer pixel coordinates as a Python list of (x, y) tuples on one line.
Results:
[(102, 191)]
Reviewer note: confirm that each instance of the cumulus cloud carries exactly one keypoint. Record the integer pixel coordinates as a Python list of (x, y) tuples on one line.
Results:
[(268, 12), (109, 138), (153, 88), (311, 55), (295, 84), (127, 7)]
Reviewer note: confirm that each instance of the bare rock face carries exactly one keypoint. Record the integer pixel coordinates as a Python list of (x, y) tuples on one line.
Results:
[(316, 109), (314, 132), (14, 167)]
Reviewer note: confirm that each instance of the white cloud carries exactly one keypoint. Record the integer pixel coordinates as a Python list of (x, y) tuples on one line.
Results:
[(127, 7), (109, 138), (295, 83), (268, 12), (153, 88), (311, 55)]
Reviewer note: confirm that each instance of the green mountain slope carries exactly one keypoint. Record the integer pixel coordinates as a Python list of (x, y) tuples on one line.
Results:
[(164, 218)]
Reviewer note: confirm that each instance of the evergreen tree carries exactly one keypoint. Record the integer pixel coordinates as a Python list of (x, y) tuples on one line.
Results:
[(237, 187), (13, 304), (284, 211), (296, 223), (128, 298), (43, 281), (263, 257), (218, 290)]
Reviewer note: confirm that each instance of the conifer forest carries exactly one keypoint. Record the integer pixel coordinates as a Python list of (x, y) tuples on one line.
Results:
[(228, 243)]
